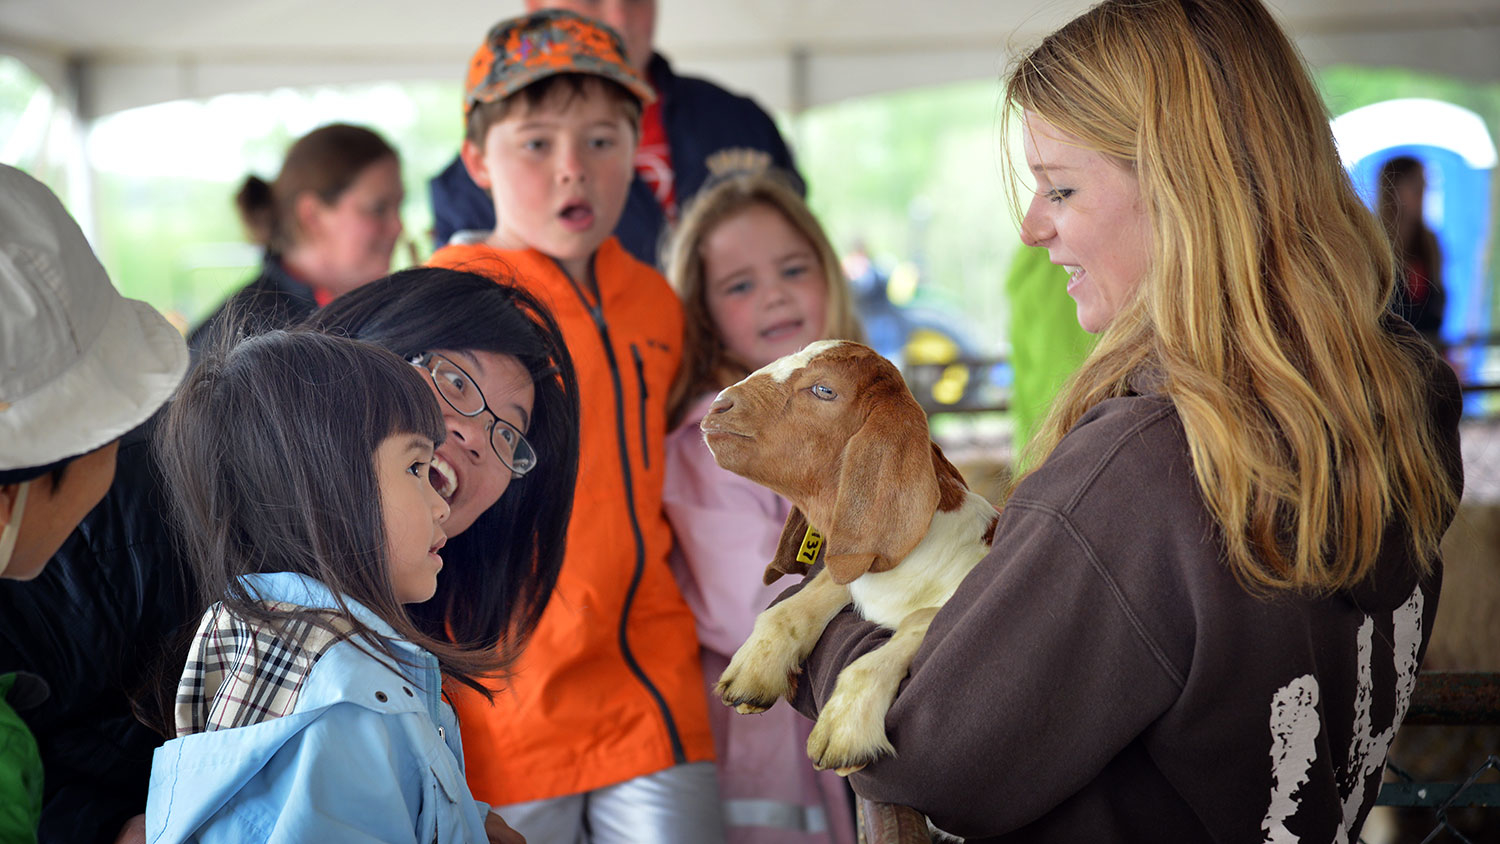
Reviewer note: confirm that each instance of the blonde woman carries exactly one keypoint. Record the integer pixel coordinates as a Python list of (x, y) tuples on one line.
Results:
[(758, 280), (1206, 605)]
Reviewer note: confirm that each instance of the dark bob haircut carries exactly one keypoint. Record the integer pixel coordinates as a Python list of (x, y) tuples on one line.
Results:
[(268, 453), (500, 571)]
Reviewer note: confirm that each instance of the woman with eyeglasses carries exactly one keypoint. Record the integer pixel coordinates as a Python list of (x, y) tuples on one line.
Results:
[(509, 398)]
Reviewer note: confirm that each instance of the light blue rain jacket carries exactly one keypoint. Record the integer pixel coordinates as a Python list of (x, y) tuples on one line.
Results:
[(367, 754)]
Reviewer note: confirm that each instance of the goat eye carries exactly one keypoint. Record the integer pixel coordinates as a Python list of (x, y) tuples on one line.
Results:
[(823, 392)]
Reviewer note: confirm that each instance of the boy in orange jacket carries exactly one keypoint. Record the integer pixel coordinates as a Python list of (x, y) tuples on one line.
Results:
[(602, 734)]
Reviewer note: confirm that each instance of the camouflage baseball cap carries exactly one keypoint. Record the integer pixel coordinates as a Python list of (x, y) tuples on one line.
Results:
[(519, 51)]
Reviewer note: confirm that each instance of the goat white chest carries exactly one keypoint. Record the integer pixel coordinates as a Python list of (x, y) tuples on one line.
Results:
[(900, 531), (930, 574)]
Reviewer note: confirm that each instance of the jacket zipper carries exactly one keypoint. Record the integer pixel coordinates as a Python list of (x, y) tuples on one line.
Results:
[(640, 375), (596, 310)]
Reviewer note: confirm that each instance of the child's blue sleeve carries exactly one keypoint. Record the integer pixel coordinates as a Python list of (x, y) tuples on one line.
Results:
[(353, 775)]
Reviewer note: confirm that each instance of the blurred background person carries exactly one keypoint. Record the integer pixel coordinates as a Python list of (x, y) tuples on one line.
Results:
[(329, 224), (1046, 343), (1419, 297)]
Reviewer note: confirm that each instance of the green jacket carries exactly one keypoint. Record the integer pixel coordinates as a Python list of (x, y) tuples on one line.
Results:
[(1047, 346), (20, 770)]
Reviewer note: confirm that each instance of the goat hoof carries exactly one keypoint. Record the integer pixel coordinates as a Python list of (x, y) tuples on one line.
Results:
[(752, 685), (741, 698), (836, 747), (850, 732), (841, 765)]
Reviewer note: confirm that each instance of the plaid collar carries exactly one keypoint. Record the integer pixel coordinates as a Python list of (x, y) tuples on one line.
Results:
[(240, 672)]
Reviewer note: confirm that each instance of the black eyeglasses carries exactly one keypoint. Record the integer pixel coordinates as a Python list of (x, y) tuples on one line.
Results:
[(463, 395)]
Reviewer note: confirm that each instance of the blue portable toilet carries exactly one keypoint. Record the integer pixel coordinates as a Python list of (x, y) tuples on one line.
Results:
[(1458, 154)]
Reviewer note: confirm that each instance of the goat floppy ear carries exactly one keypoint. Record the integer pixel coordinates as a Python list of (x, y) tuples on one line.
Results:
[(887, 493), (788, 547), (951, 484)]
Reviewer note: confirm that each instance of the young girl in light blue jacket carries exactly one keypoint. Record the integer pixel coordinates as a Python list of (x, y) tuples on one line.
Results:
[(310, 707)]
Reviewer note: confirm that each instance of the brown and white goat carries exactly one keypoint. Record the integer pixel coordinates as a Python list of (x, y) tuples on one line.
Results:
[(834, 429)]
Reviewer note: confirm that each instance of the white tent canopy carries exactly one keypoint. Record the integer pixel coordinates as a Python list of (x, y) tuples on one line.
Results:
[(107, 55)]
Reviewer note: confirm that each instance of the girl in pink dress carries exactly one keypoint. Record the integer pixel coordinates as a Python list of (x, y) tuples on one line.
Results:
[(758, 280)]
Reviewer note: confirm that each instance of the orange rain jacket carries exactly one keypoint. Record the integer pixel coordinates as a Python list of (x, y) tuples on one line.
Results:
[(609, 687)]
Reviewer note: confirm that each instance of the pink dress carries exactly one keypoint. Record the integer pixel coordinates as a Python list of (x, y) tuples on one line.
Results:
[(726, 529)]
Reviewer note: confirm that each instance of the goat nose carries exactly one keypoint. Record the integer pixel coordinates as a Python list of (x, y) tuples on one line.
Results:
[(721, 404)]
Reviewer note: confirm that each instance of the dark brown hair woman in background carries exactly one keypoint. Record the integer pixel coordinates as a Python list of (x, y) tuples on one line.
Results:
[(1419, 296), (329, 224)]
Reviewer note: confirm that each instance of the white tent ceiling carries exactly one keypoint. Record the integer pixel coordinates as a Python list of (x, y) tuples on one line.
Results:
[(790, 54)]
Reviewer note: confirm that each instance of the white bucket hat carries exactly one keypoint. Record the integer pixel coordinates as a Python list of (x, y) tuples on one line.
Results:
[(80, 364)]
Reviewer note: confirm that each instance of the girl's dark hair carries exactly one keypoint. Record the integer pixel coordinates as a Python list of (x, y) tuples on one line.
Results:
[(268, 454), (325, 161), (500, 571)]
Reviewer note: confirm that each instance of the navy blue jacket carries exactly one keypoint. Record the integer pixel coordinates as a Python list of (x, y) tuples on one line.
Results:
[(701, 120), (273, 299)]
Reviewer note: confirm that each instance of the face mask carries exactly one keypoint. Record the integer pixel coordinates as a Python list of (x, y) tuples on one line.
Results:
[(12, 527)]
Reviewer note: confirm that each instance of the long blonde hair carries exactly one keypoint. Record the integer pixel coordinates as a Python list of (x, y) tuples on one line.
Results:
[(706, 363), (1306, 418)]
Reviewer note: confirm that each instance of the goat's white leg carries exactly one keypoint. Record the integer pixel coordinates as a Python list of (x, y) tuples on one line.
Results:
[(765, 667), (850, 732)]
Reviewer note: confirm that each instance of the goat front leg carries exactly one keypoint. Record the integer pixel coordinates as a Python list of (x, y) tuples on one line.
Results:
[(765, 667), (850, 732)]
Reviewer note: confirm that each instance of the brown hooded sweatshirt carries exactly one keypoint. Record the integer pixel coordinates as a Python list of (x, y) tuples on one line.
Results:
[(1102, 677)]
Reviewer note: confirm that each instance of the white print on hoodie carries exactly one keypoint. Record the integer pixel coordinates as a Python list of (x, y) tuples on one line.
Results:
[(1295, 726)]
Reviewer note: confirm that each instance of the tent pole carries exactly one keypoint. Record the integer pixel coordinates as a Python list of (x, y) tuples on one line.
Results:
[(800, 82), (799, 94), (77, 101)]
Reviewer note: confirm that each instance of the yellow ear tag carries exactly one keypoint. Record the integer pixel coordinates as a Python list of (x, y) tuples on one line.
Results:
[(812, 543)]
